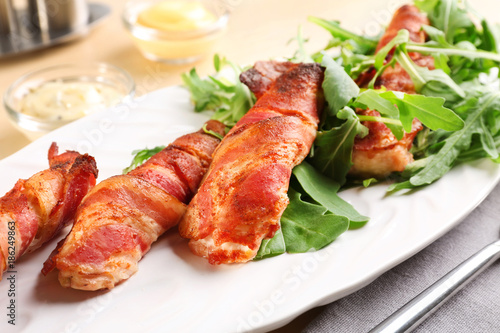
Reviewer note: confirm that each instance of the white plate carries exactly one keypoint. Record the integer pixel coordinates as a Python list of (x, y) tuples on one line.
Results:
[(174, 291)]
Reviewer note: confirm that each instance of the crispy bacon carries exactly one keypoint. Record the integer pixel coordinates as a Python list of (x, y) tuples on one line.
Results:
[(36, 209), (122, 216), (406, 17), (243, 195), (380, 153)]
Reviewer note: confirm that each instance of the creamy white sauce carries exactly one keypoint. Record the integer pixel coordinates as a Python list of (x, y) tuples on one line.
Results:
[(66, 101)]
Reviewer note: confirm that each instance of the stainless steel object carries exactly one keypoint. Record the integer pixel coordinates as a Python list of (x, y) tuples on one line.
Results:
[(45, 15), (58, 15), (31, 29), (7, 19), (417, 310)]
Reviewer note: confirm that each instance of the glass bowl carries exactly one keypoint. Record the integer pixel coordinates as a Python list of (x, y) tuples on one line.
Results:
[(175, 47), (46, 99)]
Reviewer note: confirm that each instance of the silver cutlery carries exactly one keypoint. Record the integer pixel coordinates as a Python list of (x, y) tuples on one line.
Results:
[(418, 309)]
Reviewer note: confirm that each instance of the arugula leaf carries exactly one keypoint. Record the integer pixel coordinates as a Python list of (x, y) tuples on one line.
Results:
[(426, 5), (141, 156), (355, 64), (373, 81), (487, 140), (212, 133), (371, 99), (338, 87), (360, 44), (447, 16), (440, 163), (441, 62), (491, 37), (429, 82), (437, 36), (333, 147), (476, 151), (462, 49), (222, 93), (403, 36), (301, 54), (405, 185), (369, 181), (465, 48), (203, 92), (429, 110)]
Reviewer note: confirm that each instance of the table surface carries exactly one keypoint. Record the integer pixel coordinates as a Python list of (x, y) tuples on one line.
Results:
[(257, 30)]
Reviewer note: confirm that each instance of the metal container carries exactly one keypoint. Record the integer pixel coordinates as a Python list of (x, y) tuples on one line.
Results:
[(8, 22), (45, 16), (62, 15), (30, 24)]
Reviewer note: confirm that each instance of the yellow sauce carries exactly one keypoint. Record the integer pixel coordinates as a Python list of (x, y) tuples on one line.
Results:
[(173, 18), (66, 101), (176, 16)]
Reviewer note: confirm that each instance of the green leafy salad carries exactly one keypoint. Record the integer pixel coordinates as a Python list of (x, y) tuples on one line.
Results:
[(458, 103)]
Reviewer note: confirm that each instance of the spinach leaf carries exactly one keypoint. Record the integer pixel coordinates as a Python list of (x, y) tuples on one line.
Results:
[(333, 147), (309, 227), (305, 227), (272, 247), (323, 190)]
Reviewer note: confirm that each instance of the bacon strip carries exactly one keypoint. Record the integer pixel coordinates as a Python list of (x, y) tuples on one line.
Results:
[(243, 195), (36, 209), (122, 216), (380, 153)]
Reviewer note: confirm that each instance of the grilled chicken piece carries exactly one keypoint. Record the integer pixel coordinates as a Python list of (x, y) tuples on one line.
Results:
[(243, 195), (123, 215), (36, 209), (380, 153)]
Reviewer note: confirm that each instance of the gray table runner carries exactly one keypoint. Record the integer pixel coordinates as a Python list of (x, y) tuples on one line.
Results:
[(476, 308)]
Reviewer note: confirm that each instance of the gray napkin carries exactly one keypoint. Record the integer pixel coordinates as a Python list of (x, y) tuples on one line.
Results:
[(476, 308)]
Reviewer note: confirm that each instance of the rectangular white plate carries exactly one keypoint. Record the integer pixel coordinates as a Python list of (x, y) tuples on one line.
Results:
[(175, 291)]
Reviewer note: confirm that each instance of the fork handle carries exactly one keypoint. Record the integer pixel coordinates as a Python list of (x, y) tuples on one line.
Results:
[(418, 309)]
